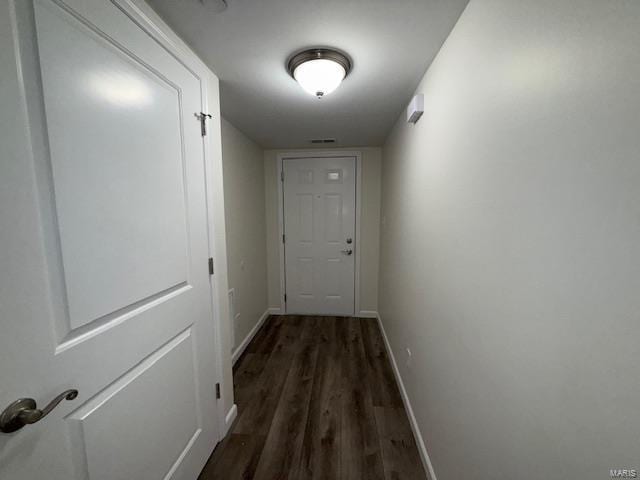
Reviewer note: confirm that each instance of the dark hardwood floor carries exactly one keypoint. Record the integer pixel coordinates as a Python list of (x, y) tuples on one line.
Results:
[(316, 399)]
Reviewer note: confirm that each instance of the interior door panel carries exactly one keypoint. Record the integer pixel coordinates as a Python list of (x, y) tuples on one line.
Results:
[(112, 294), (319, 220)]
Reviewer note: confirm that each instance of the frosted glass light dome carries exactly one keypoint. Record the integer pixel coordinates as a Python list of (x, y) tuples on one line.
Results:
[(319, 71), (319, 77)]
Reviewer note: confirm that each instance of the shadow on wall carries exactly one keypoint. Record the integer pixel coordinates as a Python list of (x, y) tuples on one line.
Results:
[(510, 240)]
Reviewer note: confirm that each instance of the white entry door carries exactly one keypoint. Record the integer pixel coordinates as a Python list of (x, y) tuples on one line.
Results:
[(319, 226), (104, 283)]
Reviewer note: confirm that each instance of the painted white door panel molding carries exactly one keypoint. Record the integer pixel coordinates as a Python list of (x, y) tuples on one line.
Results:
[(106, 288), (321, 155), (319, 207)]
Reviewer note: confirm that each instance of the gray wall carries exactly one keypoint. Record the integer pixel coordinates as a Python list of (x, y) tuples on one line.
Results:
[(510, 243), (243, 170)]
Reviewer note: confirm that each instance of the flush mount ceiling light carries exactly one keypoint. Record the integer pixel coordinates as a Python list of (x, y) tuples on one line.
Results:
[(319, 71)]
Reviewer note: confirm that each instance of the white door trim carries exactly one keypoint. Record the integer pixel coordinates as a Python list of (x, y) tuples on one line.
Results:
[(320, 154), (140, 12)]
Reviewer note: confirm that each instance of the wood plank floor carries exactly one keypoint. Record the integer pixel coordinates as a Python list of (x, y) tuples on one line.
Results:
[(316, 399)]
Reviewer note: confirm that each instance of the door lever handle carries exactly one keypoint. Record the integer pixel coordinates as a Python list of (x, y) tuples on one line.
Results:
[(25, 412), (348, 251)]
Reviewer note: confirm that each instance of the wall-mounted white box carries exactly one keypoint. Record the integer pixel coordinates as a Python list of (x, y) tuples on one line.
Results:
[(415, 108)]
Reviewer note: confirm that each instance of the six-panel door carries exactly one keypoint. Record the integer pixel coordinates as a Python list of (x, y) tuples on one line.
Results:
[(319, 225)]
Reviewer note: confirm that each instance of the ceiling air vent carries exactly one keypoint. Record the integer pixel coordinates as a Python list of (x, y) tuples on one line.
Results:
[(323, 140), (217, 6)]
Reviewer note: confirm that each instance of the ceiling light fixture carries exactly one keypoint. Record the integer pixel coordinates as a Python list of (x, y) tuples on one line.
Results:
[(319, 71)]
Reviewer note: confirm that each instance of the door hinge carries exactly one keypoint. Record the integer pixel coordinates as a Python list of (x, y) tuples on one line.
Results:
[(217, 390), (285, 298), (283, 238), (210, 266), (203, 122), (282, 175)]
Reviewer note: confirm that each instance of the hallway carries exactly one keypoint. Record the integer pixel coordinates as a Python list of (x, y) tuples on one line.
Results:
[(317, 398), (301, 239)]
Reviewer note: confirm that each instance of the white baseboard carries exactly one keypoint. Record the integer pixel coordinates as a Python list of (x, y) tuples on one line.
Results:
[(231, 416), (368, 314), (275, 311), (424, 455), (237, 353)]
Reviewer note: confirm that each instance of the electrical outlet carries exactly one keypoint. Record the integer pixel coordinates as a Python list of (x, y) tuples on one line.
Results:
[(409, 359)]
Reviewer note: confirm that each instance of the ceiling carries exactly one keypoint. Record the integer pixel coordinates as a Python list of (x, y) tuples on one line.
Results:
[(391, 43)]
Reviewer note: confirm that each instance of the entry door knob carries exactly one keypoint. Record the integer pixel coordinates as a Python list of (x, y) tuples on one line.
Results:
[(25, 412), (347, 251)]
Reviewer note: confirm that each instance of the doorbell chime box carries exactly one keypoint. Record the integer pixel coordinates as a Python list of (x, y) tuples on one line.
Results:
[(415, 108)]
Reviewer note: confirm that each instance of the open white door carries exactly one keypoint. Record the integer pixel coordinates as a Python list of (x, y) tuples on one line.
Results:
[(104, 282), (319, 225)]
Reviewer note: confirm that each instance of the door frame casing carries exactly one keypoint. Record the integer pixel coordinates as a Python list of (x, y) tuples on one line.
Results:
[(149, 21), (320, 153)]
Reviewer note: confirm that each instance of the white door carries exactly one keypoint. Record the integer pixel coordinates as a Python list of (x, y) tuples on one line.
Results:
[(104, 284), (319, 226)]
